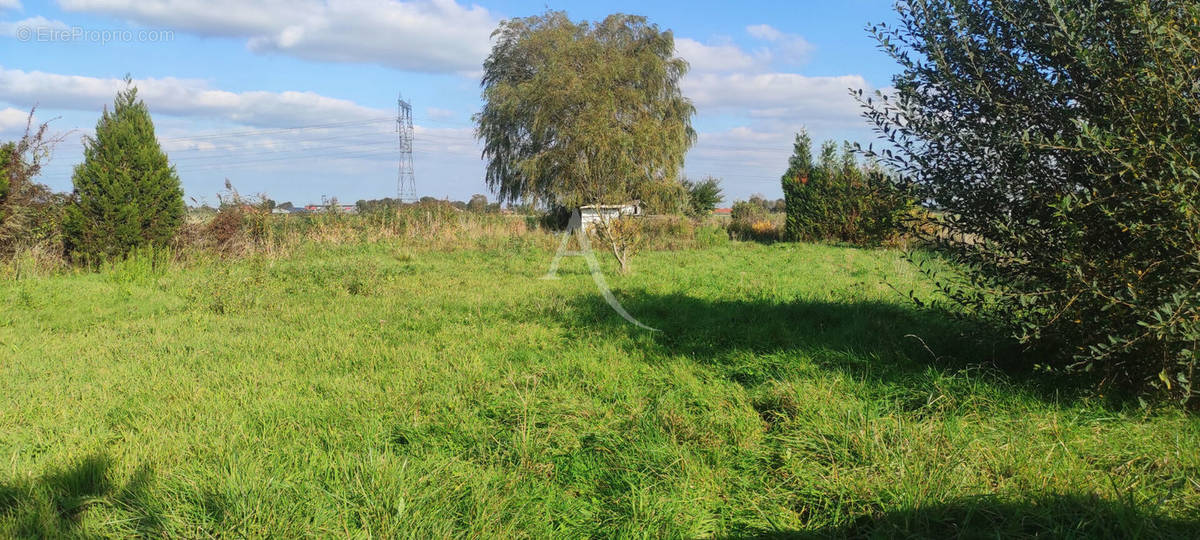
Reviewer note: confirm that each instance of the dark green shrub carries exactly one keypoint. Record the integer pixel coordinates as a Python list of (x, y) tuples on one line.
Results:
[(839, 199), (126, 193), (1060, 142), (703, 196)]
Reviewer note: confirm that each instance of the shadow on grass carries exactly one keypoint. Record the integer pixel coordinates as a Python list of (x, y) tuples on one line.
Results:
[(987, 517), (753, 341), (53, 504)]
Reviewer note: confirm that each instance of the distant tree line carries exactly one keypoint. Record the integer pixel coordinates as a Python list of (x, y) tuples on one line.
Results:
[(478, 204)]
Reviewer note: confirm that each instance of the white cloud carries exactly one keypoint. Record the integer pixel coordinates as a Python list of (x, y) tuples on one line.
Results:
[(721, 57), (12, 120), (740, 134), (419, 35), (741, 147), (436, 113), (10, 4), (745, 159), (180, 97), (754, 89), (10, 28), (764, 31), (770, 107), (724, 56), (787, 48), (786, 97)]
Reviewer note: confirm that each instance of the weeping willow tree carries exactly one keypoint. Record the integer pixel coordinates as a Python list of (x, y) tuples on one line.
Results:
[(580, 113)]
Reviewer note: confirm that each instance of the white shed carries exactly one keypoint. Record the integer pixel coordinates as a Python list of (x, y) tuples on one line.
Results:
[(590, 214)]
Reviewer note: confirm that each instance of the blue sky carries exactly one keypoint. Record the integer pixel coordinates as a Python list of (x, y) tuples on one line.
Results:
[(294, 98)]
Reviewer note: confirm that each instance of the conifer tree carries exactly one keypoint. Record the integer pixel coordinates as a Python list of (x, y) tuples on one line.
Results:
[(127, 195), (834, 197), (794, 181)]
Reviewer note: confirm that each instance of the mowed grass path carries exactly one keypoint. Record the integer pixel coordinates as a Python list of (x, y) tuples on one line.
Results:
[(380, 391)]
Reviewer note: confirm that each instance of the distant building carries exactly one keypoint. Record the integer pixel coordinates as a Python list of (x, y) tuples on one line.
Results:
[(344, 208), (589, 215), (722, 211)]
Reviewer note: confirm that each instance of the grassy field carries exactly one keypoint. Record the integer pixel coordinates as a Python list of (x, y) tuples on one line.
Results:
[(374, 390)]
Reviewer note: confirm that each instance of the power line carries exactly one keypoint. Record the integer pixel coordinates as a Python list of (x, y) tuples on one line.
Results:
[(295, 154), (226, 134), (332, 155), (226, 154), (298, 149), (297, 145)]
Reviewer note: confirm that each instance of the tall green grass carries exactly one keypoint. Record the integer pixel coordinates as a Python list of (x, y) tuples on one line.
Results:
[(383, 389)]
